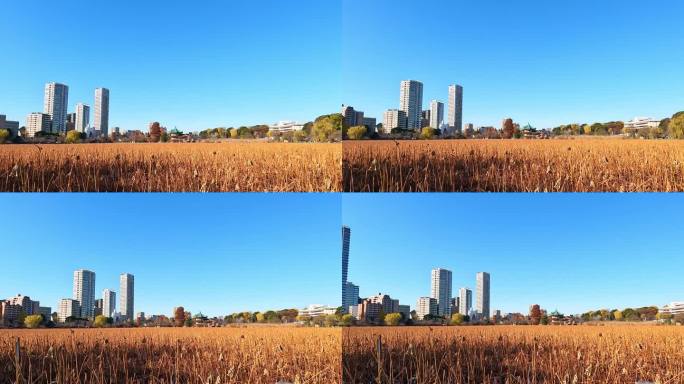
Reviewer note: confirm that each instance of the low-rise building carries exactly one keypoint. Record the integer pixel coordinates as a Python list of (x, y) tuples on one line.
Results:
[(11, 126), (674, 308), (285, 126), (641, 122), (369, 311), (315, 310)]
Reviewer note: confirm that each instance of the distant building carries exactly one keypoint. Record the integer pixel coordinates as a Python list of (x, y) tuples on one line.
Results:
[(84, 292), (425, 118), (482, 300), (411, 101), (369, 311), (405, 311), (441, 290), (68, 308), (55, 104), (46, 312), (9, 313), (426, 306), (12, 126), (436, 114), (640, 123), (101, 121), (388, 304), (126, 298), (37, 122), (393, 118), (315, 310), (82, 118), (455, 113), (285, 126), (98, 307), (29, 306), (349, 115), (454, 305), (346, 236), (370, 123), (465, 301), (108, 303), (674, 308), (351, 296)]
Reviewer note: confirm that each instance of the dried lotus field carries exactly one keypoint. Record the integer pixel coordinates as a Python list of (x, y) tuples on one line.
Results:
[(579, 165), (171, 355), (171, 167), (616, 354)]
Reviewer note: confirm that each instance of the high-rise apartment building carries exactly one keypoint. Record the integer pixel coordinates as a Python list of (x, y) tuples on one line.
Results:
[(441, 290), (55, 104), (108, 303), (436, 114), (346, 236), (68, 308), (465, 301), (126, 295), (37, 122), (84, 292), (455, 113), (101, 122), (426, 306), (411, 102), (482, 299), (82, 117), (393, 118)]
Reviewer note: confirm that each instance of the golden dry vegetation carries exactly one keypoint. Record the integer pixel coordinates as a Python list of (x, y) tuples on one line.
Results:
[(580, 165), (514, 354), (172, 355), (171, 167)]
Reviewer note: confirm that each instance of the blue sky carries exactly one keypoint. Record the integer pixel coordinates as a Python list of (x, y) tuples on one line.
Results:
[(571, 252), (212, 253), (543, 62), (194, 66)]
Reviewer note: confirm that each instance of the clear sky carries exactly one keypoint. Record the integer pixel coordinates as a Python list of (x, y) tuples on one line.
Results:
[(538, 61), (215, 253), (191, 65), (571, 252)]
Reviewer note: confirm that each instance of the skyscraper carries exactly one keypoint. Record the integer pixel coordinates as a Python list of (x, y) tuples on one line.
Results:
[(55, 104), (101, 123), (82, 117), (482, 300), (411, 102), (441, 290), (351, 297), (346, 234), (455, 114), (108, 302), (84, 292), (436, 114), (465, 301), (126, 292)]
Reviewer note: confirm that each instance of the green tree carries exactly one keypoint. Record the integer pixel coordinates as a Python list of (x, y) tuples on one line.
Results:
[(457, 319), (164, 137), (392, 319), (676, 126), (100, 321), (347, 320), (299, 136), (427, 133), (73, 137), (544, 320), (33, 321), (356, 133), (327, 127), (4, 135)]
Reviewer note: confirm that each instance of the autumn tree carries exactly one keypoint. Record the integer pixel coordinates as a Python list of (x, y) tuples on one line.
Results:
[(179, 317), (457, 319), (508, 129), (535, 314), (676, 126), (100, 321), (33, 321), (327, 127), (392, 319), (356, 133), (155, 132)]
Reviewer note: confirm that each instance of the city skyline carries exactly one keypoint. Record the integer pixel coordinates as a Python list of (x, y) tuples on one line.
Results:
[(208, 253), (558, 65), (204, 75), (536, 262)]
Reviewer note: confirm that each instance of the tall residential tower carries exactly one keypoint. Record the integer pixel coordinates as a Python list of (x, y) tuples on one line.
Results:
[(126, 291), (346, 234), (101, 123), (465, 301), (82, 117), (455, 113), (55, 105), (482, 300), (411, 102), (84, 292), (108, 303), (441, 290)]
